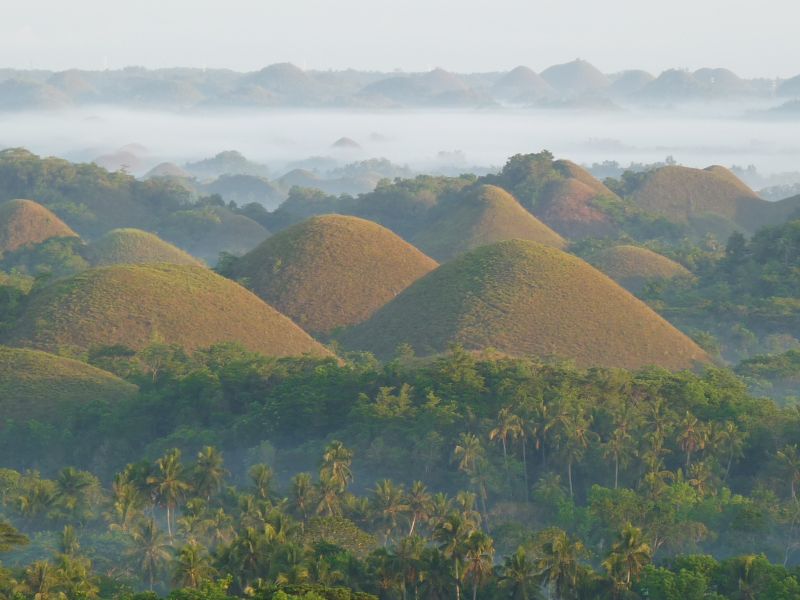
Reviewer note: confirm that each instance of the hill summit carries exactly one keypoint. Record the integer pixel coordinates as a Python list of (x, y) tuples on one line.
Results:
[(332, 270), (134, 305), (633, 266), (523, 298), (24, 222), (134, 246)]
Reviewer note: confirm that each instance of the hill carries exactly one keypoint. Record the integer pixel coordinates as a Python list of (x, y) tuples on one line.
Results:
[(522, 85), (523, 298), (134, 246), (575, 78), (134, 305), (24, 222), (633, 266), (34, 385), (331, 271), (479, 216)]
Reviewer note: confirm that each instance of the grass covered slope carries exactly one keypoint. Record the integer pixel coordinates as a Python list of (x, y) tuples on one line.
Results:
[(523, 298), (134, 246), (332, 270), (134, 305), (633, 266), (24, 222), (34, 384), (479, 216)]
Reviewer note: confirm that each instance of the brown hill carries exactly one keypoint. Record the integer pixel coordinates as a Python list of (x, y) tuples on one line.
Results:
[(523, 298), (24, 222), (331, 271), (633, 266), (570, 207), (134, 246), (36, 385), (134, 305), (479, 216), (522, 85)]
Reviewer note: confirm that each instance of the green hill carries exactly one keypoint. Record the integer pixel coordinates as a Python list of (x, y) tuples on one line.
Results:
[(331, 271), (479, 216), (133, 305), (24, 222), (34, 385), (633, 266), (134, 246), (523, 298)]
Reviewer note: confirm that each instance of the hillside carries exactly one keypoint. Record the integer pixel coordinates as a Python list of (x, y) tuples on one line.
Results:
[(633, 266), (134, 246), (34, 384), (134, 305), (331, 271), (523, 298), (24, 222), (522, 86), (575, 78), (479, 216)]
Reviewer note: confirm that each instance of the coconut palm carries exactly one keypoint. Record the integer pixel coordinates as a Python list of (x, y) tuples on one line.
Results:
[(10, 538), (209, 472), (508, 427), (192, 566), (336, 461), (628, 556), (730, 441), (518, 575), (419, 504), (261, 476), (692, 436), (452, 534), (789, 462), (168, 483), (150, 550), (478, 560), (302, 495), (388, 503), (557, 561)]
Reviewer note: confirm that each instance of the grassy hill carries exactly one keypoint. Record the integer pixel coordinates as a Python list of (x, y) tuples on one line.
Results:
[(633, 266), (33, 384), (331, 271), (523, 298), (24, 222), (522, 85), (134, 246), (134, 305), (479, 216)]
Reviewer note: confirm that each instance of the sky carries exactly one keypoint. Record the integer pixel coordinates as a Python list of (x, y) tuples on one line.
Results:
[(755, 39)]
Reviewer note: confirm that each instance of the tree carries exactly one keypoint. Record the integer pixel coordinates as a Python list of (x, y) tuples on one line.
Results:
[(557, 561), (209, 472), (478, 560), (192, 566), (518, 575), (628, 556), (10, 538), (336, 461), (575, 439), (388, 504), (169, 484), (419, 504), (452, 534), (261, 476), (789, 462), (508, 427), (692, 436), (730, 441), (302, 495), (150, 550)]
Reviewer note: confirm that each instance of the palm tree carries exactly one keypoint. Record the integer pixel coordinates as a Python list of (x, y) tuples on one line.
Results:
[(619, 447), (10, 538), (478, 560), (39, 580), (150, 550), (328, 495), (419, 503), (407, 554), (192, 566), (575, 439), (692, 436), (261, 476), (469, 455), (508, 427), (126, 502), (388, 504), (74, 577), (69, 543), (452, 534), (730, 440), (209, 472), (168, 483), (437, 580), (557, 561), (336, 461), (789, 461), (518, 575), (628, 556), (72, 491), (302, 495)]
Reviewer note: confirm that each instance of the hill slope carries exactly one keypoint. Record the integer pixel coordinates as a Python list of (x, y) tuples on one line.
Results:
[(479, 216), (134, 246), (135, 304), (524, 298), (633, 266), (24, 222), (33, 384), (332, 270)]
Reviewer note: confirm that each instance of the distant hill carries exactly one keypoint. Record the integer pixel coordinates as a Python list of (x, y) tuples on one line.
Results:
[(479, 216), (331, 271), (790, 88), (576, 78), (134, 305), (229, 162), (285, 81), (168, 169), (522, 86), (436, 87), (24, 222), (134, 246), (37, 385), (523, 298), (629, 82), (633, 266)]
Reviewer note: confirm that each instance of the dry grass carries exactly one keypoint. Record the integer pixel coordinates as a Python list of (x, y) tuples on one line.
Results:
[(633, 267), (523, 298), (332, 271), (134, 246), (568, 207), (479, 216), (33, 384), (134, 305), (24, 222)]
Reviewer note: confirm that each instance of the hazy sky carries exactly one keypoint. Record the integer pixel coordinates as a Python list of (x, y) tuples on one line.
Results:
[(752, 38)]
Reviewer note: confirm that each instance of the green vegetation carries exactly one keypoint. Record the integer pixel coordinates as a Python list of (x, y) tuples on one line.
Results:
[(633, 267), (523, 298), (476, 217), (330, 271), (23, 223), (134, 246), (136, 304)]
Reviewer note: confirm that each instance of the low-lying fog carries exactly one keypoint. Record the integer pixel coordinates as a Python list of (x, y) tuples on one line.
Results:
[(420, 139)]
